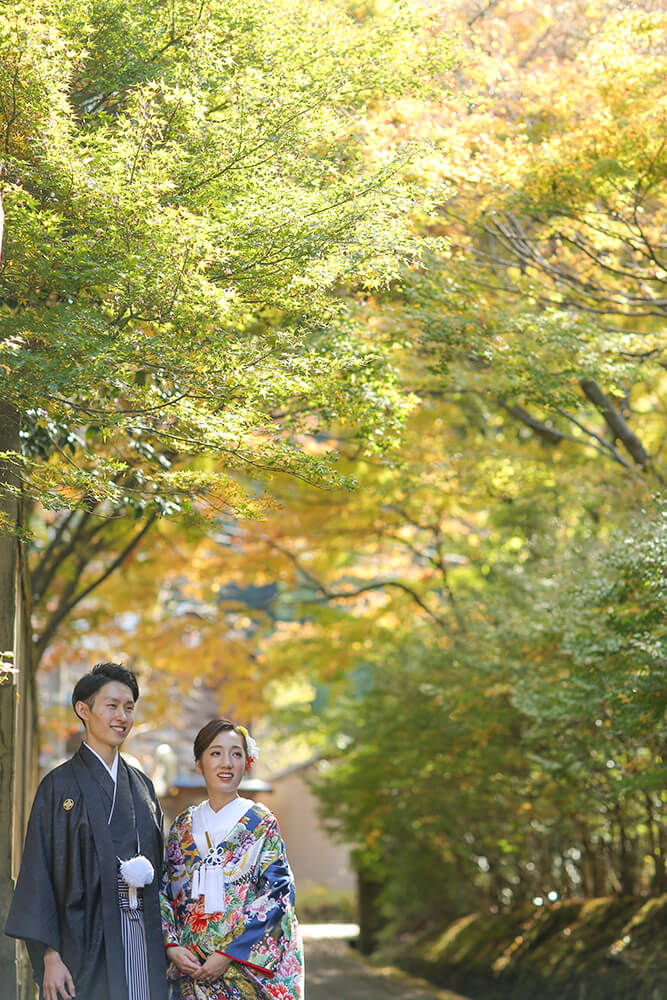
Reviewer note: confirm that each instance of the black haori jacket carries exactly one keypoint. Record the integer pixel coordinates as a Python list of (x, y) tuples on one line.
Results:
[(66, 893)]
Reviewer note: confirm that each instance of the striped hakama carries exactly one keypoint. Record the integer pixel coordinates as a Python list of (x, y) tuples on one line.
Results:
[(134, 943)]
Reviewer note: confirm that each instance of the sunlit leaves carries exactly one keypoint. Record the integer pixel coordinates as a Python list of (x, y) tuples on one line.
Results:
[(184, 190)]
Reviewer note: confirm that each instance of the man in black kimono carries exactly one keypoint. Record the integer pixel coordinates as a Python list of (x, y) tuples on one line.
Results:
[(89, 933)]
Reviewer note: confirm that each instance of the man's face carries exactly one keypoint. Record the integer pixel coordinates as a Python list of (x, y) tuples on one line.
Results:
[(111, 716)]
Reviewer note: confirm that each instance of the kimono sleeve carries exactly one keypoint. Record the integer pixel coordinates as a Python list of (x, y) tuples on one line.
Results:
[(259, 944), (33, 914), (174, 876)]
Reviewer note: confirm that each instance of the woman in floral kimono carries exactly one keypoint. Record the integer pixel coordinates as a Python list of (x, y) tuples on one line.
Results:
[(228, 892)]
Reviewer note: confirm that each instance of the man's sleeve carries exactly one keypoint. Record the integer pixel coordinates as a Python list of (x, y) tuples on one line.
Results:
[(33, 914)]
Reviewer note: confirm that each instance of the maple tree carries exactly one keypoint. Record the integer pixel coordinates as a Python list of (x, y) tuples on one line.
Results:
[(146, 206), (529, 758), (177, 217), (534, 738), (459, 640), (184, 187), (485, 657), (475, 635), (552, 297)]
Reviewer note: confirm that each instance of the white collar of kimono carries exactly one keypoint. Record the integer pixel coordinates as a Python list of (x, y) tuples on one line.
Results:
[(209, 877), (113, 770), (216, 824)]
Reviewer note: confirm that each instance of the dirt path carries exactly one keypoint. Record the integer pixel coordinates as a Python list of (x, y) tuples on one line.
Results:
[(334, 971)]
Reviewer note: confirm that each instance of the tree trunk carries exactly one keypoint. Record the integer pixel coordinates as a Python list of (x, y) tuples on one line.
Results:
[(658, 882), (661, 858), (627, 849), (587, 863), (370, 917), (9, 441)]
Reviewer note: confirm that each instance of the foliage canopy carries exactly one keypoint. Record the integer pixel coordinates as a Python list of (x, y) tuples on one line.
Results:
[(184, 186)]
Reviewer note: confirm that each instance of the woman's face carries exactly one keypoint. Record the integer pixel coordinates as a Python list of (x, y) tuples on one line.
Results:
[(223, 763)]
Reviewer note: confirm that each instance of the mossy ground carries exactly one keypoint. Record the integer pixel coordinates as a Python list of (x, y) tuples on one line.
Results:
[(596, 949)]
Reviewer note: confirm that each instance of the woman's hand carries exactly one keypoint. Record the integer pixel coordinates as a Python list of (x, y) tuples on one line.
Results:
[(213, 968), (185, 961), (58, 983)]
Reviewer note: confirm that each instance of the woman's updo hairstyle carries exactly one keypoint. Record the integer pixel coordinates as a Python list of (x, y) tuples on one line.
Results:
[(208, 733)]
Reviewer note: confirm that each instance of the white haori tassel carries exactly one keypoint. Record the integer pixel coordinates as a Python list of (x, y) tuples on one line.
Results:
[(137, 872), (214, 890), (209, 881)]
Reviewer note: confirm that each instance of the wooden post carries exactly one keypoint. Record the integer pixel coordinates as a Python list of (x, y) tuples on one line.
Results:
[(9, 569)]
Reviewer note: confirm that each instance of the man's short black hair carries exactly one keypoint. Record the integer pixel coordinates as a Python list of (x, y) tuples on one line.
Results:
[(87, 687)]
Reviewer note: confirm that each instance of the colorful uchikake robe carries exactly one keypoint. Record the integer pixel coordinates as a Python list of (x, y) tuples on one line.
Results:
[(258, 928)]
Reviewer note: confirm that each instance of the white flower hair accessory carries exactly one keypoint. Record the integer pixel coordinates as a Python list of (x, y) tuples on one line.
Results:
[(253, 749)]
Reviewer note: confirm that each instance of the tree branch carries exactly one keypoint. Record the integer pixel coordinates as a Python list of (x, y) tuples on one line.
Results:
[(553, 436), (616, 423), (331, 595), (69, 603), (606, 447), (550, 435), (41, 568)]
